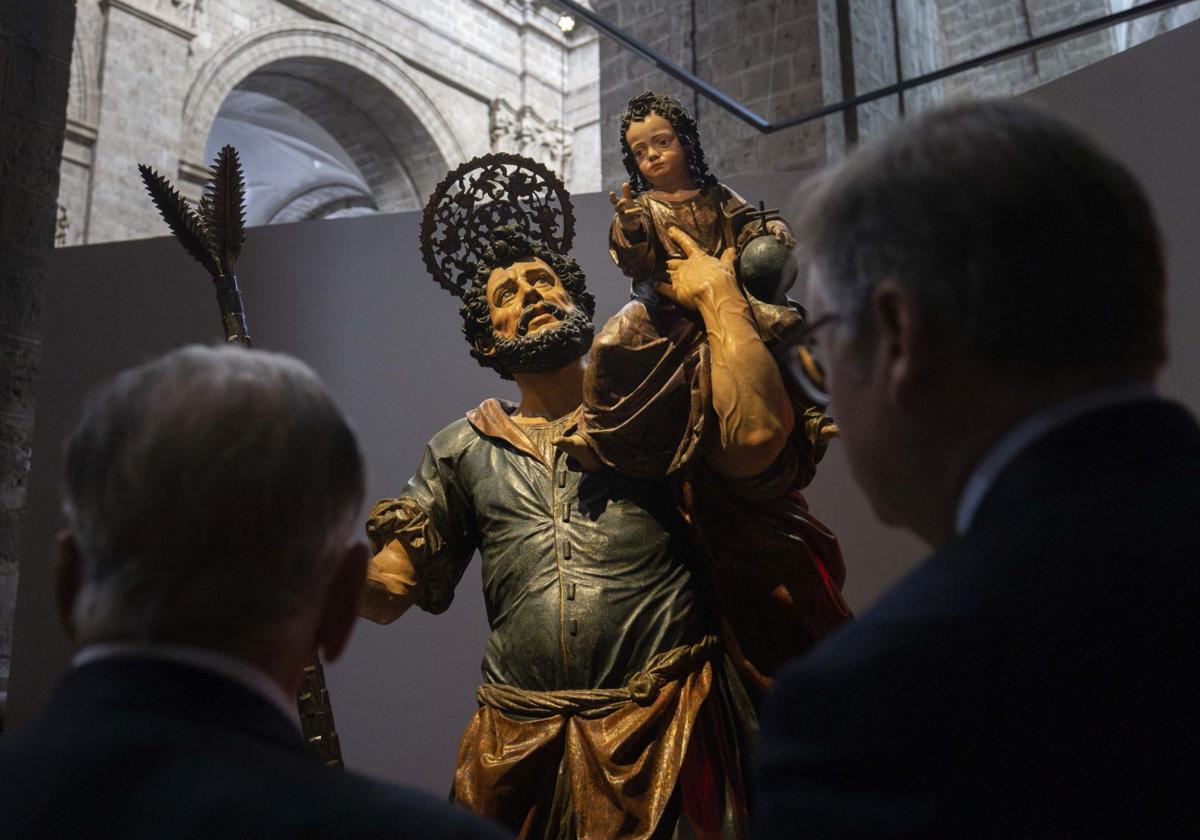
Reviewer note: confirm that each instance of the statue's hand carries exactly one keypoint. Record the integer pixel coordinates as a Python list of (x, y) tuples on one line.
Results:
[(698, 276), (629, 214), (780, 231), (819, 427), (576, 447)]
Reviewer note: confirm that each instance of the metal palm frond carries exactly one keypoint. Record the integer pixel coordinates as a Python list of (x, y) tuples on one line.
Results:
[(214, 234), (187, 227), (223, 211)]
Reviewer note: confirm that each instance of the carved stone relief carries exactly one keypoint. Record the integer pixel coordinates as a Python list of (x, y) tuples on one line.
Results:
[(522, 131)]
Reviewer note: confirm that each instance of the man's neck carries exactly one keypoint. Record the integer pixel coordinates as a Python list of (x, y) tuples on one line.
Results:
[(1031, 429), (550, 395), (984, 417)]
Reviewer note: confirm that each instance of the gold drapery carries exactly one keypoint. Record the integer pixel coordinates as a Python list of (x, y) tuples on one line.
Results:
[(597, 763)]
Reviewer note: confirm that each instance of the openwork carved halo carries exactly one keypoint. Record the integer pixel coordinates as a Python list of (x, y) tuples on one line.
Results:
[(479, 196)]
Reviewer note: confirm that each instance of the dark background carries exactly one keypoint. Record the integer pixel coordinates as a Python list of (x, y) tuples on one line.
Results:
[(353, 299)]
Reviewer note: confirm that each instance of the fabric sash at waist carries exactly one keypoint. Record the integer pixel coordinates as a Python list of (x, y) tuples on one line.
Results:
[(642, 688)]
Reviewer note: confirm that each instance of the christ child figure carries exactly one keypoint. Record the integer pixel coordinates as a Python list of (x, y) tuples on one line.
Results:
[(670, 186), (651, 408), (647, 399)]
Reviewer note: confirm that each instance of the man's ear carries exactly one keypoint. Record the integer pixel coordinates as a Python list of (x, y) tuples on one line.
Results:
[(342, 601), (68, 578), (904, 344)]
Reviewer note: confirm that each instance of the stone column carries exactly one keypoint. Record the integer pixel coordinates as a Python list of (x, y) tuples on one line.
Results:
[(35, 66), (581, 108), (144, 66)]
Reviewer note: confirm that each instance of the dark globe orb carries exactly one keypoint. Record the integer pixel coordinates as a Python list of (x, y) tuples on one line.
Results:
[(761, 266)]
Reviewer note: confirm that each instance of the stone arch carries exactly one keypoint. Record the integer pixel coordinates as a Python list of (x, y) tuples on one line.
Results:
[(361, 94), (319, 202)]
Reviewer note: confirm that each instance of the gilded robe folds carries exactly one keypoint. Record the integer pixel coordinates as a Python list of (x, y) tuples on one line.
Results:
[(776, 571)]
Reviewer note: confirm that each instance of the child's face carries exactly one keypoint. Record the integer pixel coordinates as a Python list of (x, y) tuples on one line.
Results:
[(659, 155)]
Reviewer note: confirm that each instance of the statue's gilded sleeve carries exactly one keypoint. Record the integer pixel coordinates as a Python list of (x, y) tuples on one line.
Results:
[(633, 253), (433, 522)]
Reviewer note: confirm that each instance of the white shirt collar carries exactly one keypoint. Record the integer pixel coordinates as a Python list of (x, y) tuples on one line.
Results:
[(223, 665), (1021, 436)]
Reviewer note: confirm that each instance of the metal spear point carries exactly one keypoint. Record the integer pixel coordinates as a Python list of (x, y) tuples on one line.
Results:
[(214, 236)]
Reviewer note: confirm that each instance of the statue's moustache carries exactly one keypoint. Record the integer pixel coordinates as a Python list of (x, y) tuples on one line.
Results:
[(530, 312)]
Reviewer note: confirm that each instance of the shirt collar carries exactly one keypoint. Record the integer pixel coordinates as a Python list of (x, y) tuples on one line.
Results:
[(233, 669), (492, 419), (1023, 435)]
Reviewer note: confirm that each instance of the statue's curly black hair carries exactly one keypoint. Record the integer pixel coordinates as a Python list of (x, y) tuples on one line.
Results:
[(669, 108), (510, 245)]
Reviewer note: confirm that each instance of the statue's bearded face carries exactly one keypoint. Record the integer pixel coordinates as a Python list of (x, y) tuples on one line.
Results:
[(536, 326)]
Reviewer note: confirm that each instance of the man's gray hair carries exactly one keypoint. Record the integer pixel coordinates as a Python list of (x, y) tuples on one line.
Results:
[(208, 491), (1031, 250)]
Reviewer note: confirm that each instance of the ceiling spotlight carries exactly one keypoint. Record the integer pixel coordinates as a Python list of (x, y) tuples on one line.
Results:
[(566, 23)]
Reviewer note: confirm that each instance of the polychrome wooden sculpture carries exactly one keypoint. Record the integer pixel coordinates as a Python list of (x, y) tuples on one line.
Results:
[(647, 403), (652, 408), (612, 704), (607, 708), (670, 186)]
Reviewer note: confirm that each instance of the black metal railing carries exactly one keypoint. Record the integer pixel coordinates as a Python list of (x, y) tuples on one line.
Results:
[(766, 126)]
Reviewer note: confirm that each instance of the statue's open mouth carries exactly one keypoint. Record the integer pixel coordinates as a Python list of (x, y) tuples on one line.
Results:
[(534, 312)]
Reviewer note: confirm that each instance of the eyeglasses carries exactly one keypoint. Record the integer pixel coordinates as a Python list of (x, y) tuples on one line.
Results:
[(801, 358)]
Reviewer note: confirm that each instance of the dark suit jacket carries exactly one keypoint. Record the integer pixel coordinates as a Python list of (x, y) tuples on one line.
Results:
[(142, 748), (1035, 678)]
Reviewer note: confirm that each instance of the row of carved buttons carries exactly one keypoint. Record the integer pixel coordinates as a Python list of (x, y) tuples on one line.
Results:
[(572, 625)]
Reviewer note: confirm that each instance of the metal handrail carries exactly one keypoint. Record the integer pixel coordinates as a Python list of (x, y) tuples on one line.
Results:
[(768, 127)]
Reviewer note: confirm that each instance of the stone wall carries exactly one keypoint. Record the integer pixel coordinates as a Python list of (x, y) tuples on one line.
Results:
[(35, 56), (410, 88), (440, 82), (782, 58), (973, 27), (765, 53)]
